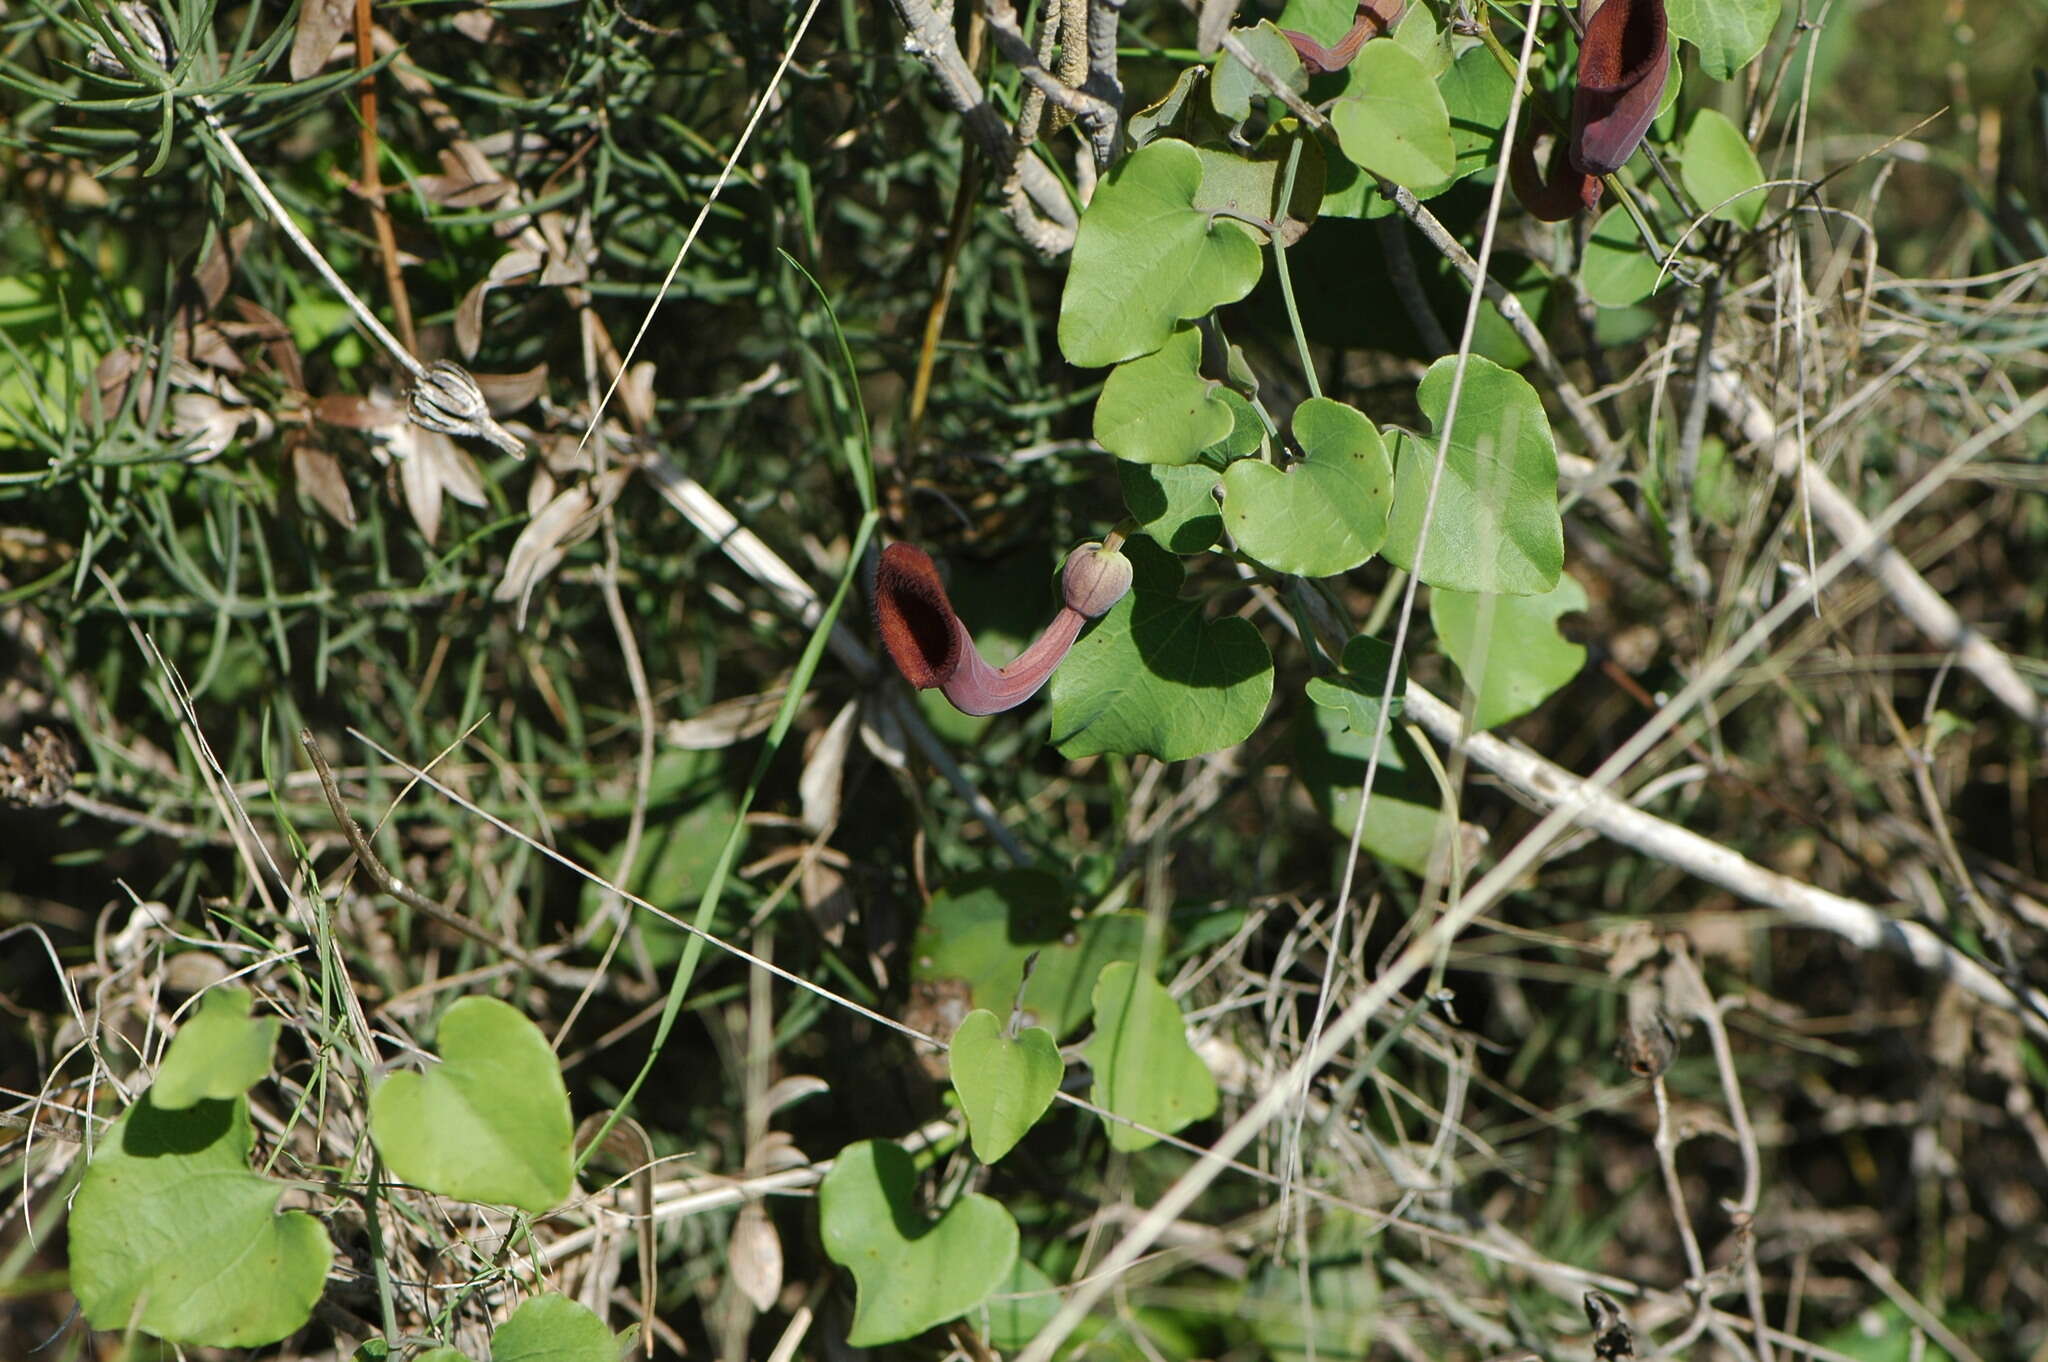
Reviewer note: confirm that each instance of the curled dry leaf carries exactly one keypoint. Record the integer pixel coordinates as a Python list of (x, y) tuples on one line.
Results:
[(207, 425), (565, 521), (216, 269), (429, 464), (319, 476), (462, 183), (787, 1092), (513, 265), (881, 732), (507, 393), (728, 721), (755, 1254), (824, 774), (321, 25)]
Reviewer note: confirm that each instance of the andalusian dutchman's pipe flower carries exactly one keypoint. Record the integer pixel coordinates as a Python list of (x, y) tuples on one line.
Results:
[(931, 647), (1624, 61)]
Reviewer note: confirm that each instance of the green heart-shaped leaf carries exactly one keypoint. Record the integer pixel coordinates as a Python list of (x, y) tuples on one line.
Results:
[(1728, 33), (1005, 1085), (1158, 408), (1157, 675), (1356, 692), (1496, 526), (979, 929), (1145, 1070), (1395, 125), (1233, 87), (1235, 182), (1176, 507), (554, 1329), (1476, 94), (1719, 170), (1023, 1303), (1618, 269), (490, 1123), (1507, 647), (220, 1052), (1406, 819), (1146, 258), (908, 1273), (1327, 513), (170, 1215)]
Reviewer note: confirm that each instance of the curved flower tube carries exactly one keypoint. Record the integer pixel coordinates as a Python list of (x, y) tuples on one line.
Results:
[(1374, 18), (1624, 60), (932, 648)]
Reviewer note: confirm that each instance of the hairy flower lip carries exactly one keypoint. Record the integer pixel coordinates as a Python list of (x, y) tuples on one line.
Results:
[(930, 645)]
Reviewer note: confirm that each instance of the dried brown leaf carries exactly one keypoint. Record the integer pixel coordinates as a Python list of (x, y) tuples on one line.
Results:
[(319, 476), (351, 411), (321, 25), (824, 774), (726, 722), (508, 393), (755, 1254)]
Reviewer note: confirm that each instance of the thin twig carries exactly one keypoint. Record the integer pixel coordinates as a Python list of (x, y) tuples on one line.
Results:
[(1035, 200), (389, 883), (1920, 603), (1805, 905), (373, 179), (1685, 564)]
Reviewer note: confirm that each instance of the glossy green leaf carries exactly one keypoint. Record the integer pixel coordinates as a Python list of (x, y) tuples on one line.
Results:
[(1507, 648), (1145, 1070), (1718, 169), (1158, 408), (1357, 690), (978, 930), (1405, 821), (1728, 33), (441, 1355), (170, 1216), (1234, 87), (1005, 1083), (1325, 514), (219, 1052), (1158, 119), (1177, 507), (1249, 185), (490, 1122), (554, 1329), (1618, 269), (1146, 258), (1022, 1303), (909, 1273), (1496, 525), (1476, 93), (1396, 125), (1157, 674)]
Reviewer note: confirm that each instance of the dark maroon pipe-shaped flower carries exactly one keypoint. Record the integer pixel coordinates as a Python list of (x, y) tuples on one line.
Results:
[(1374, 18), (931, 647), (1624, 60)]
